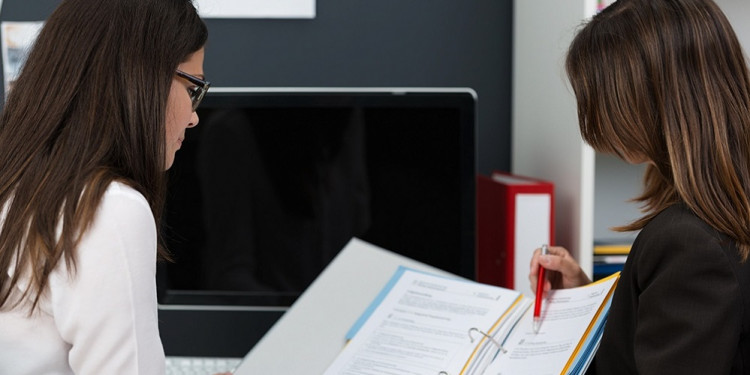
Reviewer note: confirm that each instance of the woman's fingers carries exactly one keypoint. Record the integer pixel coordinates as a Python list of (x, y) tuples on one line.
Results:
[(562, 270)]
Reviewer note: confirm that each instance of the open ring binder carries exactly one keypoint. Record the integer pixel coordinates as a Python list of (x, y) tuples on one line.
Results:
[(504, 341)]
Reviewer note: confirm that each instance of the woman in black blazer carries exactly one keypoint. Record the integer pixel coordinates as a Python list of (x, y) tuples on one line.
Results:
[(665, 82)]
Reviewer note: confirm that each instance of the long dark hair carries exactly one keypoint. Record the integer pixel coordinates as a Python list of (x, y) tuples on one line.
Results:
[(88, 108), (667, 80)]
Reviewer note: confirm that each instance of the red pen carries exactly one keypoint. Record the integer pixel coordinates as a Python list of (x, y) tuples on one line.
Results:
[(539, 292)]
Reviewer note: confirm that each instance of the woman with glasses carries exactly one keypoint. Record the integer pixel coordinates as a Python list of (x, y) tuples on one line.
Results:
[(86, 134), (665, 82)]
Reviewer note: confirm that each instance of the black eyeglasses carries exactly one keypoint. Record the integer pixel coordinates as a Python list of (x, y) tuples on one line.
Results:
[(198, 91)]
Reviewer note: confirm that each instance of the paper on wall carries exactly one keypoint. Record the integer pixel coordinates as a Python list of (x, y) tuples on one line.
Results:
[(17, 39), (256, 8)]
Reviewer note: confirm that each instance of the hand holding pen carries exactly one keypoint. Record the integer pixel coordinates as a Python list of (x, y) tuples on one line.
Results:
[(560, 271)]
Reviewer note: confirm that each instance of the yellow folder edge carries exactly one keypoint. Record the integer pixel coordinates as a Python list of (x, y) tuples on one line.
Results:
[(491, 330), (612, 249), (593, 321)]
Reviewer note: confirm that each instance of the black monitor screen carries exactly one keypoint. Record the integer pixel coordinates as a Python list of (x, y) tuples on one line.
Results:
[(271, 185)]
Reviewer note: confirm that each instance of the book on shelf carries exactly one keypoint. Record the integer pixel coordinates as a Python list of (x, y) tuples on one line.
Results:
[(609, 257), (515, 216), (421, 323), (612, 248), (602, 270)]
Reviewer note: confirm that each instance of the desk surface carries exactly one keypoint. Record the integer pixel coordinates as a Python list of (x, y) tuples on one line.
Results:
[(310, 335)]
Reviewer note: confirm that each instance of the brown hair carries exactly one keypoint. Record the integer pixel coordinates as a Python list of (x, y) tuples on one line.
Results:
[(666, 80), (88, 108)]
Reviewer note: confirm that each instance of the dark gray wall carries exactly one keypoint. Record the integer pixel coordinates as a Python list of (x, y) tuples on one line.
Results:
[(376, 43)]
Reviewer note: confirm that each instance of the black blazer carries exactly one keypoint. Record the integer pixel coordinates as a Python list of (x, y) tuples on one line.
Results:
[(682, 305)]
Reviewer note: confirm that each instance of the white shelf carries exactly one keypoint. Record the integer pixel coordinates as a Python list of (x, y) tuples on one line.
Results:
[(546, 143), (616, 183)]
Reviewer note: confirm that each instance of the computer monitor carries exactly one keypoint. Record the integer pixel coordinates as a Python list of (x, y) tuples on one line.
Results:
[(272, 183)]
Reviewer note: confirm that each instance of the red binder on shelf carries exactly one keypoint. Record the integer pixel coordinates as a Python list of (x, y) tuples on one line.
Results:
[(515, 215)]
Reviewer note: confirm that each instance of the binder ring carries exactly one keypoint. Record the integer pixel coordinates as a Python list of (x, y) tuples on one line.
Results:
[(488, 338), (471, 338)]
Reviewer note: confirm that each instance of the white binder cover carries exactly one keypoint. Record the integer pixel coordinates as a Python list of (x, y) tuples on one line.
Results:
[(311, 334)]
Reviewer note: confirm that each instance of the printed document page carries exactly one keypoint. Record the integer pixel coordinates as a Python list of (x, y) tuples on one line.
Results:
[(422, 326), (566, 315)]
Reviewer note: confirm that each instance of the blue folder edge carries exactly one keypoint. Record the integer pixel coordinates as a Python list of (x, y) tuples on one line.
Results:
[(375, 303), (592, 343)]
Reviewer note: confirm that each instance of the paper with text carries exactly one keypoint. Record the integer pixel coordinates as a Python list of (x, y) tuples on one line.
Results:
[(422, 327), (568, 316)]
